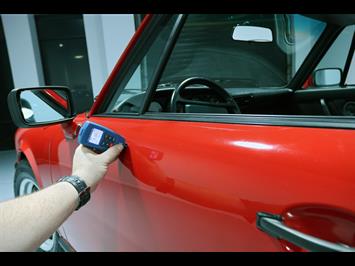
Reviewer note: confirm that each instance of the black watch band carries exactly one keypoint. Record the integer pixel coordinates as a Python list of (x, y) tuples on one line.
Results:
[(80, 186)]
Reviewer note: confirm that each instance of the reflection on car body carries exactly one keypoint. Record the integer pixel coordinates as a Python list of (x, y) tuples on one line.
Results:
[(233, 144)]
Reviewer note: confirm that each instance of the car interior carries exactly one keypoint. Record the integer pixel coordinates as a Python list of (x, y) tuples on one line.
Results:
[(319, 102), (264, 92)]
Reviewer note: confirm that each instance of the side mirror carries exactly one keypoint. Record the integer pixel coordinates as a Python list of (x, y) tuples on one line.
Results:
[(40, 106), (252, 34), (327, 77)]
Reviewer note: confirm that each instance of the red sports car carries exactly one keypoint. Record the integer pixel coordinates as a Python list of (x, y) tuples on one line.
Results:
[(240, 133)]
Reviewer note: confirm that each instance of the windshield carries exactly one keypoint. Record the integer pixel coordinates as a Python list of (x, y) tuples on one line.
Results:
[(242, 50)]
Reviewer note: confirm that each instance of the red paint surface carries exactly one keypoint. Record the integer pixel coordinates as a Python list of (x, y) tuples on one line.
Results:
[(193, 186), (57, 97), (34, 144), (309, 82), (198, 186)]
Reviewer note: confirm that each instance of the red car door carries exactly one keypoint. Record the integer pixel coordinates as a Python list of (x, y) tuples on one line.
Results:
[(199, 186), (207, 181)]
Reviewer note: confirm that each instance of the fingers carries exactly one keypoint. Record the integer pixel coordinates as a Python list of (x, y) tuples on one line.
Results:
[(85, 150), (111, 153)]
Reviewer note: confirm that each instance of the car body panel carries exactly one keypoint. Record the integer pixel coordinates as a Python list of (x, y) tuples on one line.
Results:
[(198, 186), (35, 150), (185, 190)]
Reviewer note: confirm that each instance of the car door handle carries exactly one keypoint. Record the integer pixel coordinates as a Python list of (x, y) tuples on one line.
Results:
[(273, 225)]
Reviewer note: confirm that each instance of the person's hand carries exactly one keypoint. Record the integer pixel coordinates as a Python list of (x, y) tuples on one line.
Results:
[(90, 166)]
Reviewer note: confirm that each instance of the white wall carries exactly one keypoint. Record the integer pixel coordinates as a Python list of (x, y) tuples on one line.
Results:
[(22, 44), (106, 37)]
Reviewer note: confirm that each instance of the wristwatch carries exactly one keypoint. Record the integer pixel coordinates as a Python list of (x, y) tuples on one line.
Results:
[(80, 186)]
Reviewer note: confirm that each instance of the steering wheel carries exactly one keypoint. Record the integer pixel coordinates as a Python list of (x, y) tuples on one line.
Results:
[(229, 103)]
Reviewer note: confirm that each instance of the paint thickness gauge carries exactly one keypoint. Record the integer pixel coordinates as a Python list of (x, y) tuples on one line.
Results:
[(98, 138)]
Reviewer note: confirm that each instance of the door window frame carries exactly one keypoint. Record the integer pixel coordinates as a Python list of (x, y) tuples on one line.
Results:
[(322, 45)]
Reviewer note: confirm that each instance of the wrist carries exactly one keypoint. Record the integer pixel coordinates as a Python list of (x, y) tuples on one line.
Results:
[(70, 192), (82, 177)]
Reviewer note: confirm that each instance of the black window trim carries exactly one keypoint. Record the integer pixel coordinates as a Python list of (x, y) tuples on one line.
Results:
[(334, 122)]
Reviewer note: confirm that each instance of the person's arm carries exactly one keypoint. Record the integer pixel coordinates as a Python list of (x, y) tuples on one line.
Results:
[(26, 222)]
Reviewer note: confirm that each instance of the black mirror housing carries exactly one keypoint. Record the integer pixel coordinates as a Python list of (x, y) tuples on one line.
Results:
[(40, 106)]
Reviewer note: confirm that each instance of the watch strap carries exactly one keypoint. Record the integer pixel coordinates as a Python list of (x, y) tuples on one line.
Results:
[(80, 186)]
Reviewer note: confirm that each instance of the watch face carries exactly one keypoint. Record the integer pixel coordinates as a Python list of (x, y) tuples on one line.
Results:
[(95, 136)]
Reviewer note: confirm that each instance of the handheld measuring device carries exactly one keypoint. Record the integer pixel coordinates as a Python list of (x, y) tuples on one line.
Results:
[(98, 138)]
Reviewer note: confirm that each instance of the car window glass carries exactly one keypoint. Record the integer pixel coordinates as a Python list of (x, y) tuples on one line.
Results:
[(337, 54), (129, 95), (206, 48), (350, 79), (250, 59), (306, 32), (235, 64)]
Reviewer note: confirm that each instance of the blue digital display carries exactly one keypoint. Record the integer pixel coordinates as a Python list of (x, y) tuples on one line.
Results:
[(98, 138)]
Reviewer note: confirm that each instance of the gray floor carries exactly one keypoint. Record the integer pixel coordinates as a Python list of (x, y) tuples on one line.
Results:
[(7, 161)]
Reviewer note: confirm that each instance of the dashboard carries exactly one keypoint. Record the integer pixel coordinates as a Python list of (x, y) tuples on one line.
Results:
[(270, 101), (249, 100)]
